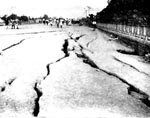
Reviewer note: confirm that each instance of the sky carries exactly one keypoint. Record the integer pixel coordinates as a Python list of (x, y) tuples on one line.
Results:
[(61, 8)]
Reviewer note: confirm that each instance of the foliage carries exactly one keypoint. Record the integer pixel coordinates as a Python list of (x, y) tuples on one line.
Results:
[(24, 18), (45, 16), (13, 17), (88, 20), (4, 17), (131, 12)]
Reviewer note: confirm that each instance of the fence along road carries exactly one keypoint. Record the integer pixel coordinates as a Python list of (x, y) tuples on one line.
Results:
[(135, 33)]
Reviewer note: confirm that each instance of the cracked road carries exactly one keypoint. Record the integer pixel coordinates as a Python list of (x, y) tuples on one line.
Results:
[(73, 72)]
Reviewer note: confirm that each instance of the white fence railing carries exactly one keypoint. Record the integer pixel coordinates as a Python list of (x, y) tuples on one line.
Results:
[(142, 33)]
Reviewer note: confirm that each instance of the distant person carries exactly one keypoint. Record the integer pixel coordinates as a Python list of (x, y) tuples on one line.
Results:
[(13, 24), (46, 21), (51, 23), (17, 24), (94, 25), (60, 23), (57, 23), (67, 22), (6, 23)]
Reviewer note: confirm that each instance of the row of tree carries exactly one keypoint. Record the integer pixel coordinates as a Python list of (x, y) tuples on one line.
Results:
[(131, 12), (14, 17), (22, 18)]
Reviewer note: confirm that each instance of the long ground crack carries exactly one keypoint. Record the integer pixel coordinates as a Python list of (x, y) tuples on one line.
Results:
[(13, 45), (76, 38), (37, 84), (132, 90), (65, 47), (39, 94), (39, 90), (87, 45), (130, 66), (65, 50)]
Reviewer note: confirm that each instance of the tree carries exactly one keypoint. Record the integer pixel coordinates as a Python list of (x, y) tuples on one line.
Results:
[(91, 16), (130, 12), (45, 16), (24, 18), (13, 17), (4, 17)]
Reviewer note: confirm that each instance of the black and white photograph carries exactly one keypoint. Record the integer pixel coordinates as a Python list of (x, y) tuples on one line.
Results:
[(74, 59)]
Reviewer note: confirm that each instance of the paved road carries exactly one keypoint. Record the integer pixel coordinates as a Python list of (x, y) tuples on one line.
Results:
[(73, 72)]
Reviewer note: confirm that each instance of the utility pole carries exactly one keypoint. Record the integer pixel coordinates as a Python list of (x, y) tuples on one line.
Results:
[(87, 10)]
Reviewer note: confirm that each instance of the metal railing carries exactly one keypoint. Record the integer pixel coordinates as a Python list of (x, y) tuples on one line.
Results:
[(137, 33)]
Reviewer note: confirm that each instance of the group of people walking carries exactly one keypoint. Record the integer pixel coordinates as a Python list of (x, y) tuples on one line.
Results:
[(58, 22), (13, 23)]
